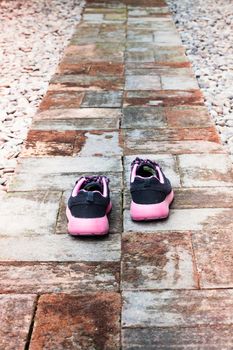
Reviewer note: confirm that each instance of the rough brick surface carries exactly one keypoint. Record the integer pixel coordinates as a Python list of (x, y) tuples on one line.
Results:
[(123, 88), (88, 321), (16, 313)]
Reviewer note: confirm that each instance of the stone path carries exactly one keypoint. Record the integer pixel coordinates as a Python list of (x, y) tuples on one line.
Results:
[(123, 88)]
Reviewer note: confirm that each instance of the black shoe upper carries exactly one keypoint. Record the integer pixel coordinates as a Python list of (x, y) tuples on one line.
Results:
[(89, 202), (146, 187)]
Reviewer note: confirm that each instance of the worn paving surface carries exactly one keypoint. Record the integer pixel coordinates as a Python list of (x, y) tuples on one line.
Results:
[(123, 88)]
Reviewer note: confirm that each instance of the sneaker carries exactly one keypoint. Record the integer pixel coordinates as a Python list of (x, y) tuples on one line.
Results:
[(151, 191), (88, 206)]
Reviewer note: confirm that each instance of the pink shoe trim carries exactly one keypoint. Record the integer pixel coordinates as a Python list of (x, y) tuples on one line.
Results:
[(140, 212), (88, 227)]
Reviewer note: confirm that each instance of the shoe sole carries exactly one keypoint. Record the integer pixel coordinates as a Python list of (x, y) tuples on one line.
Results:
[(88, 226), (145, 212)]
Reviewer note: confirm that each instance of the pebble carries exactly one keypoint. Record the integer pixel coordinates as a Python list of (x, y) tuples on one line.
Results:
[(33, 35), (207, 32)]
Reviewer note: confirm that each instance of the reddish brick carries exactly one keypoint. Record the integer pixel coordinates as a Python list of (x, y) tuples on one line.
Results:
[(86, 321), (188, 116), (49, 143), (61, 99), (163, 97), (161, 261)]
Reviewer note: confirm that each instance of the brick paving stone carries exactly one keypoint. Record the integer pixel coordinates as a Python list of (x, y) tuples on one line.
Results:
[(63, 248), (185, 198), (115, 217), (205, 170), (27, 209), (174, 147), (140, 140), (99, 143), (161, 261), (207, 219), (74, 322), (111, 99), (211, 197), (146, 55), (61, 99), (163, 98), (199, 338), (188, 116), (215, 263), (177, 308), (54, 277), (142, 82), (61, 172), (168, 163), (176, 82), (139, 12), (67, 143), (16, 313), (151, 68), (82, 82), (96, 52), (167, 38), (49, 143), (170, 54), (142, 36), (77, 119), (143, 117)]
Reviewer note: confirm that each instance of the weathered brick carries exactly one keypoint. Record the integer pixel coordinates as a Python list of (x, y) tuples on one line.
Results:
[(208, 219), (49, 143), (162, 38), (215, 263), (29, 208), (82, 82), (178, 308), (198, 338), (211, 197), (69, 322), (60, 248), (142, 82), (177, 140), (77, 119), (111, 99), (56, 277), (60, 173), (16, 312), (202, 170), (61, 99), (161, 261), (98, 143), (188, 116), (163, 98), (143, 117)]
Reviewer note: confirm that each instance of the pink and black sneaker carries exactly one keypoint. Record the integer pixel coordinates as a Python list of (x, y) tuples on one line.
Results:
[(88, 207), (151, 191)]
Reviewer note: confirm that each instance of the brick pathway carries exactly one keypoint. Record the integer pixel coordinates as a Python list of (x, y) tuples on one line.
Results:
[(123, 88)]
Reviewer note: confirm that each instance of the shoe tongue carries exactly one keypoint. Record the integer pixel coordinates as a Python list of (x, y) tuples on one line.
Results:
[(146, 170), (93, 186)]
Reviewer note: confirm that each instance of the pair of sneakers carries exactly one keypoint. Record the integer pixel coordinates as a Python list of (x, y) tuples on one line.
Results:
[(90, 203)]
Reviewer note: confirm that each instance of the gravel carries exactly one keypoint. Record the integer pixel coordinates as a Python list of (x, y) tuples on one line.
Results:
[(206, 29), (33, 35)]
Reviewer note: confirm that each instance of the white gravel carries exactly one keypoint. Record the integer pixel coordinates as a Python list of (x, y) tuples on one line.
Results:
[(33, 35), (206, 29)]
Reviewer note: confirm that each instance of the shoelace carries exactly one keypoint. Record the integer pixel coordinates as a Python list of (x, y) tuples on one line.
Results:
[(140, 161), (95, 178)]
